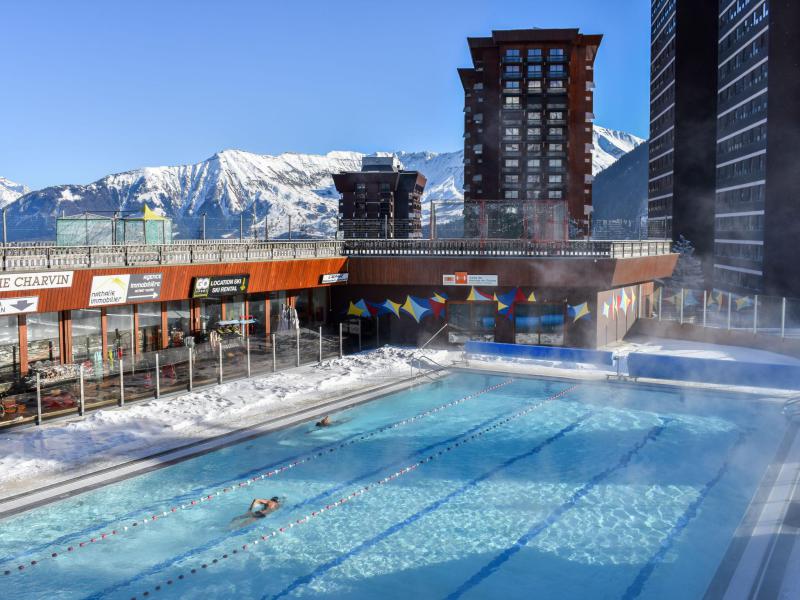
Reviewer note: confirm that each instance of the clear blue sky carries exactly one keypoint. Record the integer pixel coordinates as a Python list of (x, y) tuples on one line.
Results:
[(95, 87)]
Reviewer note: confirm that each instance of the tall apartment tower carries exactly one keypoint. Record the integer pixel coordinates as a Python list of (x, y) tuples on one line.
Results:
[(528, 102), (682, 146), (381, 200), (757, 221)]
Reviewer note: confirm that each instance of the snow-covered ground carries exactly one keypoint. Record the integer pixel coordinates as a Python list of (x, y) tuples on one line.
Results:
[(34, 457)]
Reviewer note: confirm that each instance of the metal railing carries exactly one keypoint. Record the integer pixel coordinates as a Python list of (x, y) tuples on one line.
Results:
[(520, 248), (37, 257)]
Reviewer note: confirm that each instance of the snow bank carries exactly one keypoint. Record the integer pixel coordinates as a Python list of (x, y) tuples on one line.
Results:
[(111, 436)]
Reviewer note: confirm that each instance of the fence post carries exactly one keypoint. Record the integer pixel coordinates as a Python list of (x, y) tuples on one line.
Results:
[(191, 369), (219, 376), (38, 398), (82, 406), (320, 344), (247, 344), (755, 315), (705, 306), (377, 332), (660, 301), (274, 362), (783, 317), (683, 293), (158, 377), (341, 346), (121, 382), (297, 339), (359, 335), (730, 298)]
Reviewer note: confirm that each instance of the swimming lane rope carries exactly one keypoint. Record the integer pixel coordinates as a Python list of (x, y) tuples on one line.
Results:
[(355, 494), (205, 498)]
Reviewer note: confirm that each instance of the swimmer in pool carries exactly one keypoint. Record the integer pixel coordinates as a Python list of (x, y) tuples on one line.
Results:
[(253, 515), (326, 422)]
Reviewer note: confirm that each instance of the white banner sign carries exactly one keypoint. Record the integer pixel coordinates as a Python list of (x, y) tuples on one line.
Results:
[(109, 289), (11, 282), (16, 306), (468, 279), (335, 278)]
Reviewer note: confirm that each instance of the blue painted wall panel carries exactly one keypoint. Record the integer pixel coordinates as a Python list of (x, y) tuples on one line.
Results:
[(575, 355)]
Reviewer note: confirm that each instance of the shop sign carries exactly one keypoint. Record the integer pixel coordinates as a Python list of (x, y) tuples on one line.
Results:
[(462, 278), (35, 281), (335, 277), (221, 285), (17, 306), (122, 288)]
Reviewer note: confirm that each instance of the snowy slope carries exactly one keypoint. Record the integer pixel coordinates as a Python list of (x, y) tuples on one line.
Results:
[(10, 191), (234, 182), (609, 146)]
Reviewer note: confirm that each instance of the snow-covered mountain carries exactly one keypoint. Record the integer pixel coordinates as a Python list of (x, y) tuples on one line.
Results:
[(10, 191), (609, 146), (260, 187)]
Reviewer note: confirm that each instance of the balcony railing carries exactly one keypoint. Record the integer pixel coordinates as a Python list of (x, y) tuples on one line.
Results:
[(41, 257)]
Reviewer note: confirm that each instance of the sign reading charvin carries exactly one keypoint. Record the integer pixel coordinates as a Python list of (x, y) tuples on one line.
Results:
[(35, 281), (220, 285), (463, 278), (335, 278), (122, 288), (17, 306)]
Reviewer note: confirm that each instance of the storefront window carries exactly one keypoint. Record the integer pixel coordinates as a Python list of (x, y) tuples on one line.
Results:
[(257, 308), (539, 324), (210, 314), (150, 326), (178, 322), (119, 334), (471, 321), (9, 347), (303, 307), (282, 316), (43, 337), (87, 341), (319, 302)]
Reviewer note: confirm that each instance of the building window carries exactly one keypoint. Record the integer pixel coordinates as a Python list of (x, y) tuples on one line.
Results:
[(534, 178), (534, 54), (534, 70), (534, 86), (512, 70), (87, 341), (534, 163), (511, 194), (555, 194), (477, 87), (511, 132), (361, 187), (512, 85), (534, 148), (178, 322), (534, 132), (511, 102), (150, 326), (556, 70), (512, 53), (534, 116), (555, 148), (555, 163), (554, 179), (512, 179), (555, 84), (119, 330), (9, 347), (511, 148), (555, 131), (511, 163), (555, 53), (478, 148), (477, 178), (43, 341), (556, 115), (478, 118)]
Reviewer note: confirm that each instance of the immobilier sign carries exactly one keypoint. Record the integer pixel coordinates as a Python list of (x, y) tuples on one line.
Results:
[(12, 282)]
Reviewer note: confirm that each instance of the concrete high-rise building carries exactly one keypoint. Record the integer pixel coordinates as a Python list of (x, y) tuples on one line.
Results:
[(683, 71), (381, 200), (528, 102), (757, 212)]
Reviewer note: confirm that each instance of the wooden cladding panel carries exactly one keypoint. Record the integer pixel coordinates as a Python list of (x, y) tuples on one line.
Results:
[(177, 280)]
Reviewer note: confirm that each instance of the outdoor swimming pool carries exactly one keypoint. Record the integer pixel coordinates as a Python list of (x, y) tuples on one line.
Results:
[(475, 486)]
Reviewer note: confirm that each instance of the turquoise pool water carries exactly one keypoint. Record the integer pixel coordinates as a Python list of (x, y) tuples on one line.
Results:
[(478, 486)]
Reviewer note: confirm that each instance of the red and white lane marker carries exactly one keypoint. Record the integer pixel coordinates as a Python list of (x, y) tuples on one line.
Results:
[(144, 521), (359, 492)]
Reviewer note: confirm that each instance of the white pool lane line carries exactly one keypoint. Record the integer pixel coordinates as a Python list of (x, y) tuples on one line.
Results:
[(771, 539)]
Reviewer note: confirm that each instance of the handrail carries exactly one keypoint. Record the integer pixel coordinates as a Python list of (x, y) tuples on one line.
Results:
[(37, 257), (421, 348)]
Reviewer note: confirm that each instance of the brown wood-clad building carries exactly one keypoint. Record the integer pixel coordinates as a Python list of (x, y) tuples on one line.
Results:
[(528, 113)]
